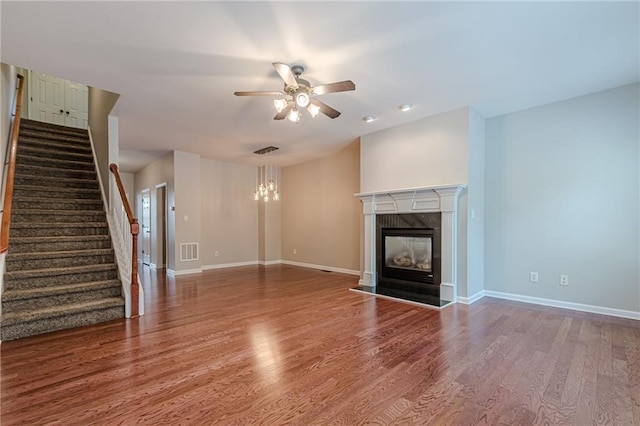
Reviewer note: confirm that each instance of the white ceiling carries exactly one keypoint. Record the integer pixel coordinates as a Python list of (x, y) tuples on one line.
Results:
[(177, 64)]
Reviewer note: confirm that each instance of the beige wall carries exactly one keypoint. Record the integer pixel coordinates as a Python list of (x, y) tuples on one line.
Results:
[(101, 103), (187, 179), (157, 173), (321, 218), (229, 213), (269, 231)]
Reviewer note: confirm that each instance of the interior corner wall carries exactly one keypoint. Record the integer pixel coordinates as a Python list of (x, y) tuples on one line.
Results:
[(101, 103), (229, 213), (188, 207), (475, 207), (321, 218), (428, 152), (562, 197), (269, 231), (159, 172)]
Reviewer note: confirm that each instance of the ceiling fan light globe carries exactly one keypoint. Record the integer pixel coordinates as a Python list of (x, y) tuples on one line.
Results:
[(313, 110), (294, 115), (302, 99), (279, 104)]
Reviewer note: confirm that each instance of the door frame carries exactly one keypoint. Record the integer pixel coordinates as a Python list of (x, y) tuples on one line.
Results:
[(164, 208)]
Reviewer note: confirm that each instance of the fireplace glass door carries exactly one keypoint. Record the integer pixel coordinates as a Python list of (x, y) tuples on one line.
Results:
[(408, 254)]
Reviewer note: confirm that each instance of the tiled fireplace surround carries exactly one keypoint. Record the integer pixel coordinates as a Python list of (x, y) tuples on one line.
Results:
[(443, 199)]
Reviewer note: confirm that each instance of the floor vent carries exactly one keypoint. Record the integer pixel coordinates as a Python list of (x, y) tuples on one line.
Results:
[(188, 251)]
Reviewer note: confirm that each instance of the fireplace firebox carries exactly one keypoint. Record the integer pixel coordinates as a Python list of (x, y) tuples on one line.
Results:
[(407, 254)]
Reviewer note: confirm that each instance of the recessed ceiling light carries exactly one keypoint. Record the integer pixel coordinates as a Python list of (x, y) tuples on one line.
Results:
[(368, 119), (405, 107)]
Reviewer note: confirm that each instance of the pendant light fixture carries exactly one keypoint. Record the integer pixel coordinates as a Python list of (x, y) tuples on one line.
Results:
[(266, 178)]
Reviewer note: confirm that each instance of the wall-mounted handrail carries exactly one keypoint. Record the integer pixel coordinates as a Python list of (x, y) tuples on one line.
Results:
[(135, 229), (11, 172)]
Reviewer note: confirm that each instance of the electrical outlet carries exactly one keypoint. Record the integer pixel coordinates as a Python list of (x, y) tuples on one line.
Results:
[(533, 277), (564, 279), (295, 251), (216, 254)]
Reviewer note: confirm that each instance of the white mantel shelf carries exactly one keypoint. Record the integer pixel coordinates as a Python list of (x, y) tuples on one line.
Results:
[(427, 199)]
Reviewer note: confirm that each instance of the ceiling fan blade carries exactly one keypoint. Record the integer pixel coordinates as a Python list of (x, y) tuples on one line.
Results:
[(258, 93), (286, 74), (325, 109), (341, 86), (282, 114)]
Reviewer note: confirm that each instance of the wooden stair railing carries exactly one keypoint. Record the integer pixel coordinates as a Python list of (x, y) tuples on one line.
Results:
[(135, 229), (11, 172)]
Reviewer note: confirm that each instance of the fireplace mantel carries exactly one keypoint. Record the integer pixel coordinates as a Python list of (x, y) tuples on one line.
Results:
[(426, 199)]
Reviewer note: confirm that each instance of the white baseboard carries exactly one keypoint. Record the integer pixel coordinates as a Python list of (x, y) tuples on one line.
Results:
[(469, 300), (565, 305), (324, 268), (184, 272), (229, 265), (269, 262)]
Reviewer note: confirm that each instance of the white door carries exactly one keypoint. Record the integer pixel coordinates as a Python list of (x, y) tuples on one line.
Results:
[(57, 101), (76, 100), (46, 98), (146, 229)]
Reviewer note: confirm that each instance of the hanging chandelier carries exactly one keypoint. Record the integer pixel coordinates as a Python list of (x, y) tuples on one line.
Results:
[(267, 178)]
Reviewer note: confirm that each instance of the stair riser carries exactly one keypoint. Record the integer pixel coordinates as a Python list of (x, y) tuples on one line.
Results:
[(56, 232), (56, 182), (57, 154), (55, 145), (58, 204), (60, 194), (39, 125), (61, 246), (47, 281), (63, 262), (59, 300), (55, 172), (33, 328), (41, 132), (57, 218), (16, 248), (55, 163), (68, 138)]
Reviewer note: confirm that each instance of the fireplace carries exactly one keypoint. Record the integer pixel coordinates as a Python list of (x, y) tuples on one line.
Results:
[(407, 254), (425, 219)]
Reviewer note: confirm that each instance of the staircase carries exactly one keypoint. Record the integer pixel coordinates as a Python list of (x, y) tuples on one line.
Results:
[(60, 267)]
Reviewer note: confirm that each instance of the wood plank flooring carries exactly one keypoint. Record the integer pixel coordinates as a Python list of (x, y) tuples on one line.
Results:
[(285, 345)]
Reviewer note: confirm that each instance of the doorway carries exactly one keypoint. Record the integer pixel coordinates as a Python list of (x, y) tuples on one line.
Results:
[(146, 227)]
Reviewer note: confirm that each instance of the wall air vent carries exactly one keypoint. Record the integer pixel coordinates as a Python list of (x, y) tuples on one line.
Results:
[(188, 251)]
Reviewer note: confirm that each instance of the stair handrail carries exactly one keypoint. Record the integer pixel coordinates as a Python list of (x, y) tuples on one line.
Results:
[(11, 172), (135, 229)]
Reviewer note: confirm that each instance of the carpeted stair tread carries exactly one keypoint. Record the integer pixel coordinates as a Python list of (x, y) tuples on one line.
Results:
[(26, 190), (21, 225), (45, 240), (33, 273), (57, 216), (59, 243), (41, 126), (30, 293), (60, 154), (12, 318), (61, 203), (59, 254), (33, 169), (56, 163), (29, 180), (82, 147), (62, 212)]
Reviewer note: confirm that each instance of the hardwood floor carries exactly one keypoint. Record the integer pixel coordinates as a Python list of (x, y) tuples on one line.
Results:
[(285, 345)]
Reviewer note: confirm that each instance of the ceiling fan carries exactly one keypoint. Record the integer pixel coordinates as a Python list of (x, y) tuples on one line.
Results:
[(302, 94)]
